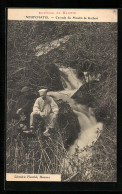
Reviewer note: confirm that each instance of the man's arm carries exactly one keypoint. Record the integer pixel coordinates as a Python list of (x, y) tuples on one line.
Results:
[(24, 107), (36, 106), (54, 107)]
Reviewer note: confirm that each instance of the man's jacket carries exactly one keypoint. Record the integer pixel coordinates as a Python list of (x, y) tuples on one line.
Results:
[(46, 106)]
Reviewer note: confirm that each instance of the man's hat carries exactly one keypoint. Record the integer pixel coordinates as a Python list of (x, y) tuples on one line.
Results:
[(25, 89), (43, 91)]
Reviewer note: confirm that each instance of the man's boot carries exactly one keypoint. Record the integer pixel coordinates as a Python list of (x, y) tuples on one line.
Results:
[(30, 131)]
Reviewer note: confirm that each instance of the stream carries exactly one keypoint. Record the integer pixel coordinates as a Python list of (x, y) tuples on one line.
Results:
[(90, 129)]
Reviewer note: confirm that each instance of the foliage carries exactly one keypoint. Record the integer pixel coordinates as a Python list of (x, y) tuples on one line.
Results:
[(36, 154), (91, 48)]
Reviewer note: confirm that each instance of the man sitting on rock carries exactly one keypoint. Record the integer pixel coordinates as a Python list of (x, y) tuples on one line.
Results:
[(47, 109)]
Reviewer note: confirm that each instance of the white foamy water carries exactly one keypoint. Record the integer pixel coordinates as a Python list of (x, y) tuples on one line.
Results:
[(90, 129)]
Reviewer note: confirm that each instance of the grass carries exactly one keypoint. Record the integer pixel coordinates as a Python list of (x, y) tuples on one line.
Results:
[(92, 48), (41, 155)]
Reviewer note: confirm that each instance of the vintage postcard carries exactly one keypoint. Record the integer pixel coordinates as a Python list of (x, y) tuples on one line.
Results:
[(61, 95)]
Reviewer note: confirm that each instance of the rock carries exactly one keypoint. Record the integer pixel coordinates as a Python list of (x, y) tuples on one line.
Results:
[(68, 124)]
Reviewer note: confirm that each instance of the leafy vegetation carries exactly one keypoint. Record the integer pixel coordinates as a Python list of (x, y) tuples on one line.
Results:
[(91, 48)]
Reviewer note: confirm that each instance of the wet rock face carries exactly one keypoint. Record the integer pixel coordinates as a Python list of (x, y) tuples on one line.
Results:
[(68, 124), (53, 79), (88, 94)]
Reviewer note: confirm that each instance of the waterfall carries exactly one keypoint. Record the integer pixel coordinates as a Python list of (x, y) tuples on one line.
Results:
[(90, 129)]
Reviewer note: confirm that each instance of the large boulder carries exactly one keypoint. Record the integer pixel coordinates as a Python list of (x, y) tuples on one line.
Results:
[(68, 124)]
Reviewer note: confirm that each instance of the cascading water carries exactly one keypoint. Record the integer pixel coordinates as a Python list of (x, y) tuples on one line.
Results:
[(90, 128)]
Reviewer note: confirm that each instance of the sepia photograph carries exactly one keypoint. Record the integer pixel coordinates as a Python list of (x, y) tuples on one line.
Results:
[(61, 101)]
